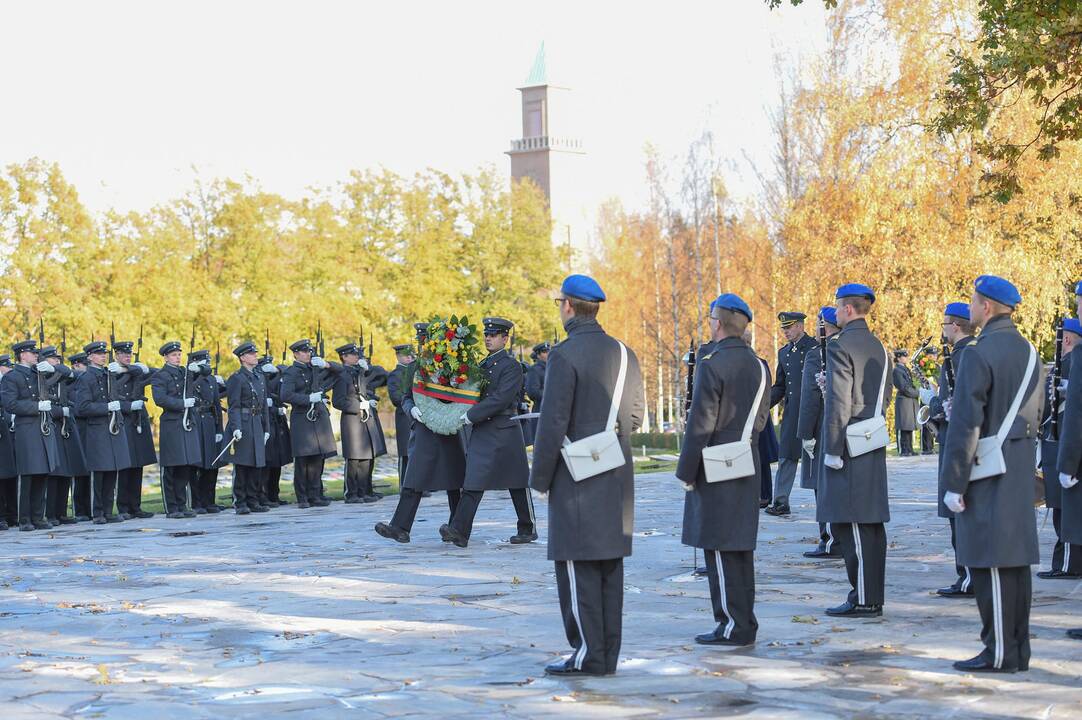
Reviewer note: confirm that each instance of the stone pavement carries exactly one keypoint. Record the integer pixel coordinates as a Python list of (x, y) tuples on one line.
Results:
[(308, 613)]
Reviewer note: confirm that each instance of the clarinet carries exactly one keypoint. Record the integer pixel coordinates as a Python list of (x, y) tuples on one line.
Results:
[(948, 366), (823, 344), (1057, 374), (691, 379)]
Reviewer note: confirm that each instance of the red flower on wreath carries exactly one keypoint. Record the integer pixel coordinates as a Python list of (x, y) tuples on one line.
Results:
[(462, 378), (463, 368), (450, 335), (438, 357), (441, 380)]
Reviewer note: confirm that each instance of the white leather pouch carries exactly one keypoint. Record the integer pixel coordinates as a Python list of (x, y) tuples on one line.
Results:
[(600, 452), (864, 436), (736, 459), (989, 461)]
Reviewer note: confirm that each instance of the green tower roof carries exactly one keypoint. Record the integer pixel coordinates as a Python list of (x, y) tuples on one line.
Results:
[(538, 71)]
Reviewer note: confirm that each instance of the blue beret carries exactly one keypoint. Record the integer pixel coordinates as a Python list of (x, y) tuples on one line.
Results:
[(958, 310), (729, 301), (1078, 288), (855, 290), (998, 289), (829, 314), (1072, 325), (582, 287)]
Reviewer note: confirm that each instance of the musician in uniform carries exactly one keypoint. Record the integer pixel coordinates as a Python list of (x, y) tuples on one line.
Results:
[(248, 428), (958, 331), (1066, 557), (589, 547), (811, 429), (1000, 375), (1069, 462), (131, 381), (786, 391), (397, 382), (9, 473), (311, 434), (905, 404), (495, 455), (729, 404), (80, 486), (69, 444), (279, 450), (173, 390), (106, 442), (853, 490), (362, 435)]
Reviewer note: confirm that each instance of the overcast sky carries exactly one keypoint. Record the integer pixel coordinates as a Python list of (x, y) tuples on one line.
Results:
[(128, 96)]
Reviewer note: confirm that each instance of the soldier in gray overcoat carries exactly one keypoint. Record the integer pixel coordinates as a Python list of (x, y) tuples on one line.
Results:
[(905, 403), (80, 486), (810, 429), (853, 490), (132, 378), (207, 417), (72, 462), (9, 473), (1069, 462), (105, 440), (362, 435), (279, 450), (588, 547), (535, 388), (729, 403), (786, 392), (311, 435), (398, 382), (248, 427), (1066, 557), (958, 331), (24, 396), (180, 455), (495, 455), (997, 529)]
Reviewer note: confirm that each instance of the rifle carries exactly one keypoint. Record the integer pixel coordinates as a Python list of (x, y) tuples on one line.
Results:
[(185, 420), (64, 432), (46, 420), (217, 355), (266, 344), (690, 388), (317, 377), (114, 416), (138, 351), (139, 345), (1057, 373)]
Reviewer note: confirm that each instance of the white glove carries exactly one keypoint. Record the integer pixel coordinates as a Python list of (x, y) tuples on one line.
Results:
[(415, 413), (45, 405), (834, 462), (541, 495), (114, 406), (270, 402), (319, 362), (237, 434), (116, 368), (947, 405), (67, 412), (466, 419), (1065, 480), (268, 368), (281, 411), (194, 366), (189, 402), (373, 404), (688, 487), (217, 437), (1063, 386), (954, 502), (219, 379), (142, 366), (137, 404), (362, 364), (313, 398), (926, 395), (266, 437), (821, 380), (809, 447), (45, 367)]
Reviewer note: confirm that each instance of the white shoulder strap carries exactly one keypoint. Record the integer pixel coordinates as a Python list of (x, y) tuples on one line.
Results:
[(618, 393), (1008, 420), (883, 382), (746, 436)]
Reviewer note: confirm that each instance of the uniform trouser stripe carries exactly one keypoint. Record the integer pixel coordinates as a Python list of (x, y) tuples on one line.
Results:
[(860, 563), (19, 497), (580, 654), (92, 493), (529, 504), (1066, 556), (723, 598), (830, 538), (161, 487), (964, 587), (997, 617)]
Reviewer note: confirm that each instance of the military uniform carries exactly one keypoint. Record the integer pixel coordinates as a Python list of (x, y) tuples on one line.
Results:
[(279, 451), (69, 444), (853, 497), (905, 405), (206, 417), (311, 434), (997, 530), (9, 473), (495, 455), (722, 518), (398, 383), (173, 389), (248, 427), (588, 548), (362, 435), (534, 387), (131, 388), (786, 391), (106, 442), (80, 486), (1069, 465)]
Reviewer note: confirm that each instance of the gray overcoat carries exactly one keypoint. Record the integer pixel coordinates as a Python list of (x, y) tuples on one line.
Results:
[(786, 390), (495, 455), (177, 447)]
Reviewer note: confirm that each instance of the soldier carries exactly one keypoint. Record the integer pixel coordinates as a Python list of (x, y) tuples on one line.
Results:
[(786, 390), (582, 380), (495, 455), (105, 441), (1069, 462), (436, 462), (9, 473), (303, 385), (248, 428), (398, 383), (853, 490), (131, 381), (905, 403), (535, 388), (279, 451), (24, 395), (173, 390), (1066, 557), (72, 462), (810, 429), (80, 491), (998, 397), (729, 404), (206, 415), (958, 332), (362, 435)]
